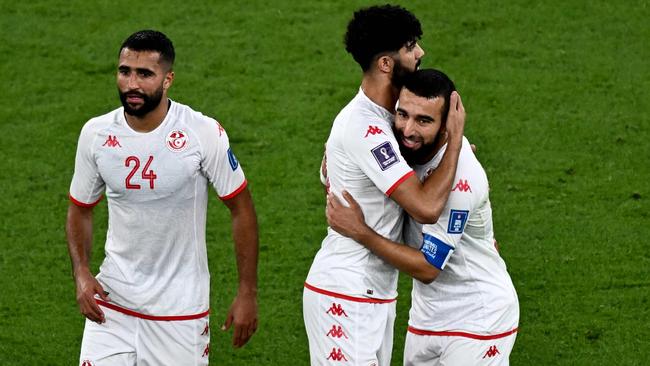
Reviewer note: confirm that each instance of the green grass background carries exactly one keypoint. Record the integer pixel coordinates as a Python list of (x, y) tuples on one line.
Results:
[(558, 104)]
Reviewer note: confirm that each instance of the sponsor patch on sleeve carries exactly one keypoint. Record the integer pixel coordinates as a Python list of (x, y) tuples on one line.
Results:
[(457, 220), (385, 155), (232, 159), (435, 251)]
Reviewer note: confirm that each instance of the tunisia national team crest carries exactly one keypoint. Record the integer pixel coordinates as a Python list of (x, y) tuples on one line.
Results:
[(177, 141)]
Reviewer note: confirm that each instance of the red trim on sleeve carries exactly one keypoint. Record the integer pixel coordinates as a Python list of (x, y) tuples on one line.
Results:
[(346, 297), (151, 317), (82, 204), (235, 192), (461, 334), (399, 181)]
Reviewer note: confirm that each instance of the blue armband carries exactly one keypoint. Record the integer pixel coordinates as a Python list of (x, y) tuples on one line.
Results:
[(435, 251)]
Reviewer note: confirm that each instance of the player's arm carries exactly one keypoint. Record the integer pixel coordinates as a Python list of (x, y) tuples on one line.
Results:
[(349, 221), (425, 201), (79, 228), (243, 311)]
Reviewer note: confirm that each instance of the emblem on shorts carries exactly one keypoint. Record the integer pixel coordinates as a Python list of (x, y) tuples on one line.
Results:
[(87, 363), (336, 332), (491, 352), (337, 355), (176, 141), (385, 155), (336, 310)]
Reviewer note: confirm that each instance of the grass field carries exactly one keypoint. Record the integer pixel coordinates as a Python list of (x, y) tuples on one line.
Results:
[(558, 103)]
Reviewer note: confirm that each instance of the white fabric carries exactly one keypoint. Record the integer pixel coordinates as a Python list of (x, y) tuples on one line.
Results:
[(474, 292), (125, 340), (348, 332), (155, 255), (422, 350), (363, 158)]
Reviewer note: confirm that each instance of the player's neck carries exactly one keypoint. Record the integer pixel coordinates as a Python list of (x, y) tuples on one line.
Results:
[(380, 90), (151, 120)]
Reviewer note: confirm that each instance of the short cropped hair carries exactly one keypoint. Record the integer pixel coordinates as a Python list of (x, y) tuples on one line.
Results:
[(380, 29), (151, 40), (430, 83)]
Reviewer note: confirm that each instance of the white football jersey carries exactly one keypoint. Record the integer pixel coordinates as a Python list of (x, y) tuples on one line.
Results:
[(156, 184), (474, 292), (363, 158)]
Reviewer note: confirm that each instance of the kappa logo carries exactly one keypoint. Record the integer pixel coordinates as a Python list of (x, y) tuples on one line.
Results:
[(337, 355), (221, 130), (336, 332), (337, 310), (373, 130), (206, 351), (87, 363), (462, 186), (111, 141), (491, 352), (176, 141), (206, 330)]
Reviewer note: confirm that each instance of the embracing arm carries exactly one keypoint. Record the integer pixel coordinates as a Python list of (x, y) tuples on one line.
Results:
[(349, 221), (425, 201), (243, 311), (79, 231)]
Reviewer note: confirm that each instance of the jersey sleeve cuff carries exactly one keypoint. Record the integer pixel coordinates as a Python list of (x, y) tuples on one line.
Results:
[(83, 204), (235, 192), (399, 181)]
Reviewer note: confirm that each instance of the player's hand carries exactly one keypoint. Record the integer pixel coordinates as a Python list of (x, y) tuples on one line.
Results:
[(348, 221), (87, 288), (243, 315), (456, 118)]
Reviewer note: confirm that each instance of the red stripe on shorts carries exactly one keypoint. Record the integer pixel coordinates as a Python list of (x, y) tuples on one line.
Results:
[(346, 297), (461, 334), (151, 317)]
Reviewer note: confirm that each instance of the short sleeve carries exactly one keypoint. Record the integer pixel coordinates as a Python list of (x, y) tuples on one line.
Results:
[(87, 185), (374, 149), (219, 163)]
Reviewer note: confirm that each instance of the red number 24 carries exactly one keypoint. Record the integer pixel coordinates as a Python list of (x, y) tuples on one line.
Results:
[(146, 173)]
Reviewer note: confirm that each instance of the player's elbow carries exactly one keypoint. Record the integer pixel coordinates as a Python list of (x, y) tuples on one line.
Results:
[(426, 215), (427, 275)]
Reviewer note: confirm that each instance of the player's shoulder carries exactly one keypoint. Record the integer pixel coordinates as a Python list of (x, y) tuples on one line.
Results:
[(103, 122), (196, 121), (470, 175)]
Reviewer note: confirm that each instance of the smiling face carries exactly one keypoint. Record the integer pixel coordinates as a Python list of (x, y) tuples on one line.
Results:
[(142, 81), (418, 122)]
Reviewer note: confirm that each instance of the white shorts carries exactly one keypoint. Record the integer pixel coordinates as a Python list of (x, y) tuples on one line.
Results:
[(354, 331), (457, 348), (129, 340)]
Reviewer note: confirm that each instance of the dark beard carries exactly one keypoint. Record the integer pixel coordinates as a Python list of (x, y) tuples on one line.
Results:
[(419, 156), (399, 72), (150, 102)]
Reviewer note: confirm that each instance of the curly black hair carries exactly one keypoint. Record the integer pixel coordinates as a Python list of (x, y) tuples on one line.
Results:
[(380, 29), (151, 40)]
